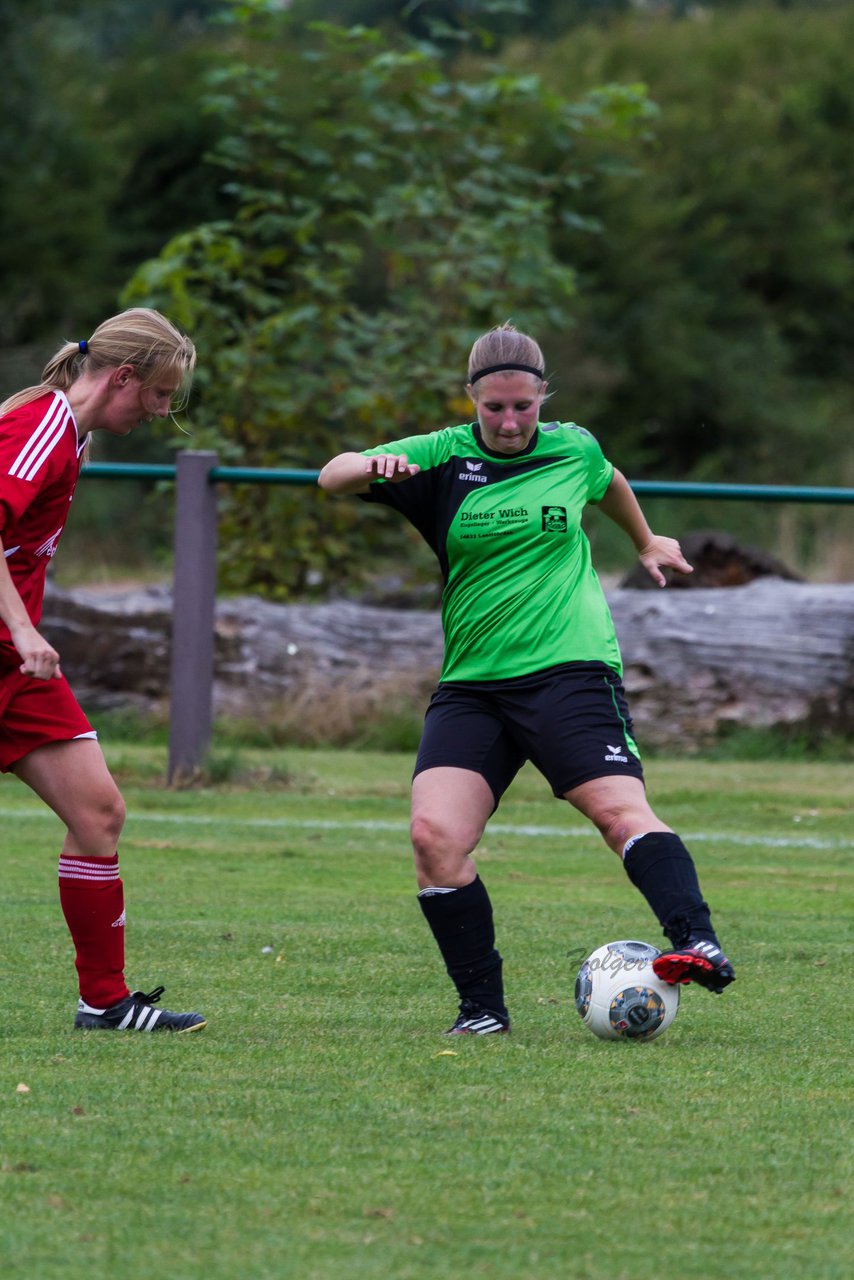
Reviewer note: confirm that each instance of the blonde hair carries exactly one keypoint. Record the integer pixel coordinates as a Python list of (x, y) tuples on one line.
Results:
[(504, 345), (139, 337)]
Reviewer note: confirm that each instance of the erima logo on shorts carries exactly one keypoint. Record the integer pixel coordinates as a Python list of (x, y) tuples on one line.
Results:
[(613, 753), (471, 474), (554, 520)]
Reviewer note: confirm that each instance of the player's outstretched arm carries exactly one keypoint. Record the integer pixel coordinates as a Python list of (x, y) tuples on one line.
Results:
[(354, 473), (655, 552), (38, 658)]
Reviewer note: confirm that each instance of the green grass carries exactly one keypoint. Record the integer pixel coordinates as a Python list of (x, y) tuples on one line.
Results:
[(321, 1126)]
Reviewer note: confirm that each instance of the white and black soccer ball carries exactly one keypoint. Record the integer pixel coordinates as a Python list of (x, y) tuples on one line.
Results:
[(619, 997)]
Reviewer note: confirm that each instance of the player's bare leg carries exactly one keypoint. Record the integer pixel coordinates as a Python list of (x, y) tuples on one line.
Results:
[(73, 780), (450, 808)]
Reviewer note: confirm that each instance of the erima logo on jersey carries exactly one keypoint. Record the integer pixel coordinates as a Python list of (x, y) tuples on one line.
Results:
[(471, 475), (614, 754)]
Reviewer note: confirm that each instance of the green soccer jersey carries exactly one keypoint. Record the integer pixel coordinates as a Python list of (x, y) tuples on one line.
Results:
[(520, 592)]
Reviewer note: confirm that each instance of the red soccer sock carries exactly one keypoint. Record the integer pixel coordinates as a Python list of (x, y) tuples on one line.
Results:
[(92, 900)]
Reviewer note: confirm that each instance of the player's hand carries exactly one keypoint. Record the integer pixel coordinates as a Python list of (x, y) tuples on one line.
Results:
[(663, 553), (40, 659), (392, 467)]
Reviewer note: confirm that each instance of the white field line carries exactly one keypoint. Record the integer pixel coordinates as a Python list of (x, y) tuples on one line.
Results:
[(798, 841)]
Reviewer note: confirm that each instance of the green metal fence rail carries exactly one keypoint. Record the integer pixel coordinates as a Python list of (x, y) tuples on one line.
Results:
[(196, 475), (742, 492), (648, 488)]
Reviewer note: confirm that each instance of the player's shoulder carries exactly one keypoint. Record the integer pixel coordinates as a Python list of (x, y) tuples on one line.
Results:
[(461, 438), (568, 435), (564, 430), (47, 407), (431, 447), (38, 436)]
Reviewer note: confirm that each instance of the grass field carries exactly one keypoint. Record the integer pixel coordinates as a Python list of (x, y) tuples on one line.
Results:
[(321, 1126)]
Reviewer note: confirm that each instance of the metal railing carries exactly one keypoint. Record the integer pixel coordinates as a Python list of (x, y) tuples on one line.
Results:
[(651, 488), (196, 475)]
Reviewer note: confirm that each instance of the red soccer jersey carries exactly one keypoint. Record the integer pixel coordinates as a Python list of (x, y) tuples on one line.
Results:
[(40, 458)]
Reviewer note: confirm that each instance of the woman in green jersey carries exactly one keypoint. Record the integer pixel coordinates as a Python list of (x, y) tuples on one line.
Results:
[(532, 667)]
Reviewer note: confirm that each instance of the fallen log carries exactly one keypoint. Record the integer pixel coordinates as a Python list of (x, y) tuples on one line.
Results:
[(771, 653)]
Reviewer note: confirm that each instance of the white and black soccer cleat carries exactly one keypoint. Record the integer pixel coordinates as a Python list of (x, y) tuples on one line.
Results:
[(698, 961), (136, 1013), (475, 1021)]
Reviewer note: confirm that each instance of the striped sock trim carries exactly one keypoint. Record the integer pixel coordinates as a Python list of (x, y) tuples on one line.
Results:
[(89, 870), (433, 891), (633, 840)]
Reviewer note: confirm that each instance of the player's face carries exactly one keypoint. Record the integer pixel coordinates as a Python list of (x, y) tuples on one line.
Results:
[(508, 408), (133, 403)]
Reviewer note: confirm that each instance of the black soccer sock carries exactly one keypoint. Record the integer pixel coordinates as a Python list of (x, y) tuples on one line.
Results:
[(662, 868), (461, 922)]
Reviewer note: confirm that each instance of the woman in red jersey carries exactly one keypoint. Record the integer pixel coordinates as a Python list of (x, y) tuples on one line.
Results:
[(128, 372)]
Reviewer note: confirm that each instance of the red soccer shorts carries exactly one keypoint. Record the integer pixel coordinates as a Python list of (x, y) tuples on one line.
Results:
[(34, 713)]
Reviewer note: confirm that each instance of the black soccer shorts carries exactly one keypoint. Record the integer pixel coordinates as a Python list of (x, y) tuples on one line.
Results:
[(571, 721)]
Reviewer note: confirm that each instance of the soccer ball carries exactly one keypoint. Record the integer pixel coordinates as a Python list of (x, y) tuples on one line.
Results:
[(619, 997)]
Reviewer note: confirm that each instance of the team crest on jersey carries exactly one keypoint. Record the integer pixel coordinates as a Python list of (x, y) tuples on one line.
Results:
[(554, 520)]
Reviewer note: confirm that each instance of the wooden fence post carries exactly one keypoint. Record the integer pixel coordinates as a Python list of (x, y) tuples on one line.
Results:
[(193, 605)]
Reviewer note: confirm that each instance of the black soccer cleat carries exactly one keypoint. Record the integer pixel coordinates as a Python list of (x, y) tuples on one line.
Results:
[(475, 1021), (135, 1013), (698, 961)]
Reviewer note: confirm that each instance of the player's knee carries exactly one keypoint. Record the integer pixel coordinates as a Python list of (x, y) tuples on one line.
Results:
[(101, 825), (435, 840), (621, 825), (428, 837), (617, 825), (115, 815)]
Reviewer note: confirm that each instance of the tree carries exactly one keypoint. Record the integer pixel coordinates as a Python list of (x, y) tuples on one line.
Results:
[(385, 212), (714, 320), (102, 145)]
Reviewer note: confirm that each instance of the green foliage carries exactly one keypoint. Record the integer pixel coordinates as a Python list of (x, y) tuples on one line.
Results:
[(714, 318), (455, 23), (385, 213), (102, 146), (693, 293), (451, 25)]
